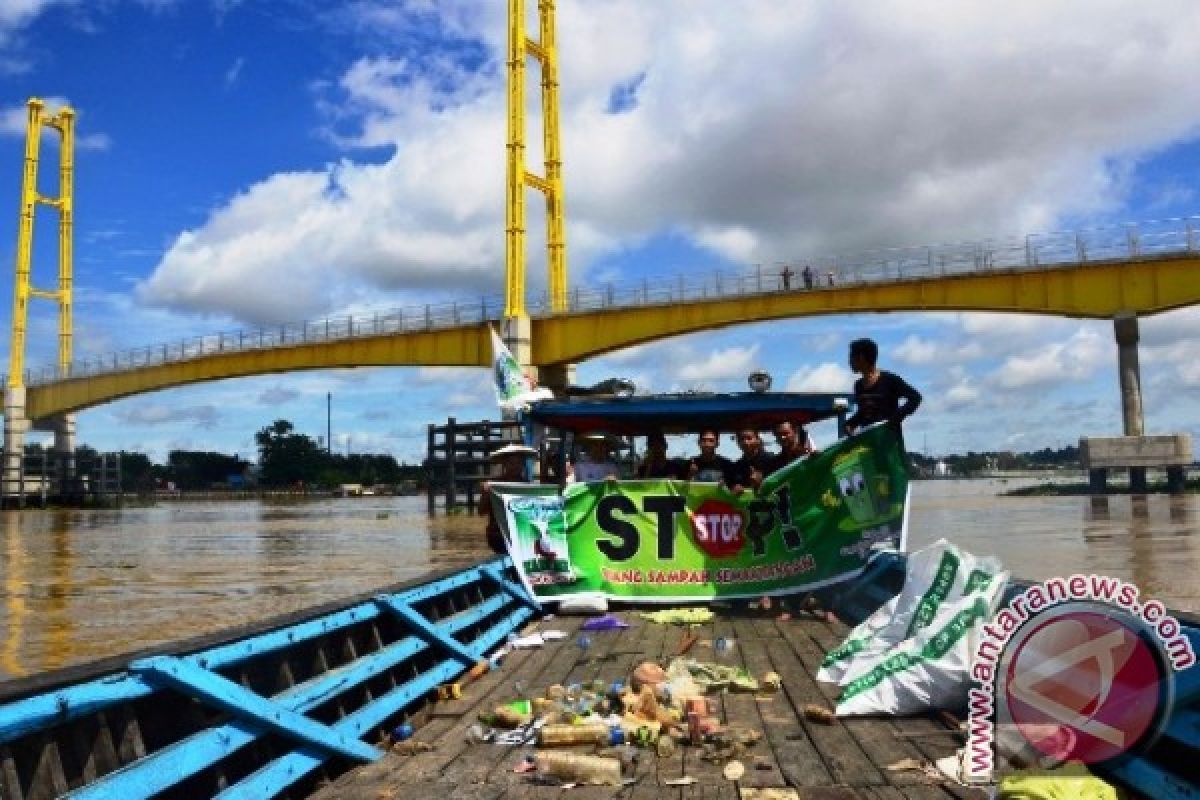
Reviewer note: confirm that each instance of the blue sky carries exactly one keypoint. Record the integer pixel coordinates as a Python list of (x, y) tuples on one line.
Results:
[(249, 163)]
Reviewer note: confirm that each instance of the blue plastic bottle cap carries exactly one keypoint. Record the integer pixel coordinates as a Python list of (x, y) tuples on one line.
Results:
[(402, 732), (616, 736)]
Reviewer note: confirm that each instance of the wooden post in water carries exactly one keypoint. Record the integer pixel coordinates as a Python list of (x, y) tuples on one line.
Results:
[(451, 476)]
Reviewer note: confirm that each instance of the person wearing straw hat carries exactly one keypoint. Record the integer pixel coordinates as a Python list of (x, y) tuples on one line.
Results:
[(599, 465), (511, 459)]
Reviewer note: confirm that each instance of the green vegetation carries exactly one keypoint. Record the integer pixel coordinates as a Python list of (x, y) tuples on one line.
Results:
[(974, 463), (286, 460)]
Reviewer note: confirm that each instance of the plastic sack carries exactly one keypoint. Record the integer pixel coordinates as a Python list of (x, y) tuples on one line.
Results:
[(938, 574), (929, 668)]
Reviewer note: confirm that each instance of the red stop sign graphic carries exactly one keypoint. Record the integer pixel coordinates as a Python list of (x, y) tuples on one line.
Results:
[(719, 528)]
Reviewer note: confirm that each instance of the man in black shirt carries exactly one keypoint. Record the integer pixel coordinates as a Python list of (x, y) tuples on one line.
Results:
[(877, 394), (748, 471), (794, 443), (708, 466)]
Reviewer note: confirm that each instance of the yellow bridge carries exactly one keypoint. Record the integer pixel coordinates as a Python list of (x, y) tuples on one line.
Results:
[(1102, 273)]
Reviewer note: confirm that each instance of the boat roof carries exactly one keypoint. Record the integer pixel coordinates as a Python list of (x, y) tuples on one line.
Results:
[(685, 413)]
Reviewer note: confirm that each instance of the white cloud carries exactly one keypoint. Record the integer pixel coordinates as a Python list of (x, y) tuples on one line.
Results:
[(203, 416), (827, 377), (895, 117), (721, 365), (1056, 363)]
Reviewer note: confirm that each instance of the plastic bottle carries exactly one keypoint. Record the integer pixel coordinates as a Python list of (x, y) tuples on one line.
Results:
[(580, 768), (565, 735)]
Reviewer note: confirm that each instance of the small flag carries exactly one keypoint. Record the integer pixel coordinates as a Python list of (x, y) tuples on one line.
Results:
[(513, 389)]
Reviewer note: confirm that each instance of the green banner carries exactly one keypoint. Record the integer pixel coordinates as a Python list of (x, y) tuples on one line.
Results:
[(813, 522)]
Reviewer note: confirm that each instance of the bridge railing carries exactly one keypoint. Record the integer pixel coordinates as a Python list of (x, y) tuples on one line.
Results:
[(1061, 250)]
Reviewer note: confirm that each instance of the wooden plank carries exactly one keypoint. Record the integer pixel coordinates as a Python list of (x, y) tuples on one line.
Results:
[(877, 735), (795, 752), (841, 752), (742, 708)]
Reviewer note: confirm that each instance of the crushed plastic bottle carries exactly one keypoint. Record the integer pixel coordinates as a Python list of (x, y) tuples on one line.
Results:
[(573, 767)]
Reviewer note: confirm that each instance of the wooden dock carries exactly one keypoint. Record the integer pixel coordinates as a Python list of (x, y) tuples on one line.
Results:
[(839, 761)]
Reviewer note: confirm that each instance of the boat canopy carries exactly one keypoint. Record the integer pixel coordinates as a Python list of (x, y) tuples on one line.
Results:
[(685, 413)]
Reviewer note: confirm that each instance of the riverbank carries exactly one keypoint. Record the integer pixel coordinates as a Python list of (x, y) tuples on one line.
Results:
[(1050, 489)]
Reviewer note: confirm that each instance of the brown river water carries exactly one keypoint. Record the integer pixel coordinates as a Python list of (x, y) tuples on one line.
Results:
[(80, 585)]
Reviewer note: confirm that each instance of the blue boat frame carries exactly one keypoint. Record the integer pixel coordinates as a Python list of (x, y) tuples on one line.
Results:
[(246, 716)]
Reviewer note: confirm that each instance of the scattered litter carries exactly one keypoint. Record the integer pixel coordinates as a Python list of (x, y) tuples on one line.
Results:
[(606, 623), (769, 794), (411, 747), (593, 770), (525, 765), (914, 765), (784, 616), (715, 677), (954, 767), (477, 734), (648, 674), (819, 714), (761, 763), (1072, 782), (686, 644), (553, 636), (772, 681), (686, 780), (734, 771), (532, 640), (678, 616), (584, 604)]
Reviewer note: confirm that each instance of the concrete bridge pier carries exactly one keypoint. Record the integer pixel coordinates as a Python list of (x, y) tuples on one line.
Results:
[(16, 425), (1125, 327), (517, 333), (1135, 450), (63, 426)]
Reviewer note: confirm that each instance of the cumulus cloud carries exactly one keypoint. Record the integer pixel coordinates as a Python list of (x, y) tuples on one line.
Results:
[(1056, 363), (729, 363), (827, 377), (881, 133)]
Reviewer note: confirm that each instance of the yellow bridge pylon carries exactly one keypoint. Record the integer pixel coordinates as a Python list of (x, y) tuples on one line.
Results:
[(16, 419), (550, 184)]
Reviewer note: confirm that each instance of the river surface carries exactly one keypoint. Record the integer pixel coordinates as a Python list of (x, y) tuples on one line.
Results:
[(79, 585)]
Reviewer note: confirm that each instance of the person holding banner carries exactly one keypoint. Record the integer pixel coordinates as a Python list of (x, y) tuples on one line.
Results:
[(748, 471), (794, 442), (656, 464), (511, 458), (708, 466), (599, 466), (877, 394)]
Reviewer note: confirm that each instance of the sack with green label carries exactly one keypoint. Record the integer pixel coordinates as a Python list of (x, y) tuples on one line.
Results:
[(914, 654)]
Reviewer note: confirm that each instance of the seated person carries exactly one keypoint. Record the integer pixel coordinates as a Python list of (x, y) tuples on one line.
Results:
[(748, 471), (511, 459), (794, 442), (598, 466), (708, 466), (656, 464)]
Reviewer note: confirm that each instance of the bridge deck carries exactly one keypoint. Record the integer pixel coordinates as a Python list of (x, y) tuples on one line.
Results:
[(847, 759)]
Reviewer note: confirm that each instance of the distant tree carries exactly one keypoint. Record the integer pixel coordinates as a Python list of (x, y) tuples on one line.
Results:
[(138, 472), (195, 469), (286, 458)]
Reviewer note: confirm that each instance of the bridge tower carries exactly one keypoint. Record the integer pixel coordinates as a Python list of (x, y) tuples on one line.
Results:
[(516, 326), (16, 423)]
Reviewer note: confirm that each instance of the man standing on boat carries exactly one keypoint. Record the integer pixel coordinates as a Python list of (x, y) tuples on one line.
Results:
[(511, 458), (877, 394), (656, 464)]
